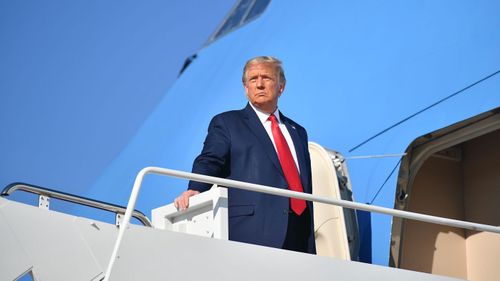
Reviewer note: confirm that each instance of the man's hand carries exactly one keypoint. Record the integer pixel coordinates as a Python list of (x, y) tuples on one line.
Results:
[(182, 202)]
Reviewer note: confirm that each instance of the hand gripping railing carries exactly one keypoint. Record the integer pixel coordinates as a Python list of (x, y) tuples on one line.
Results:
[(279, 192), (43, 191)]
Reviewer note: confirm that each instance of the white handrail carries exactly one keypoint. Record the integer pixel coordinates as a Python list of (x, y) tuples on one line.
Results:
[(279, 192)]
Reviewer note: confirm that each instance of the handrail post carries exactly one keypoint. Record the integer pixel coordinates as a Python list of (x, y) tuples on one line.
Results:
[(126, 218)]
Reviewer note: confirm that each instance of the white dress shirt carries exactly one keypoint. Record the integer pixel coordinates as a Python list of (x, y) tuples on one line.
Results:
[(264, 118)]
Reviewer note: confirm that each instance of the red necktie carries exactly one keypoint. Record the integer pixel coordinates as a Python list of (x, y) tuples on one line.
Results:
[(288, 166)]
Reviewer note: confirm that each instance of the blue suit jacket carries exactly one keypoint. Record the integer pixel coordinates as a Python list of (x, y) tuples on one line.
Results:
[(238, 147)]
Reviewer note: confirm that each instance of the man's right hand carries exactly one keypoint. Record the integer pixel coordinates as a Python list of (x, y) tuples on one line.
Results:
[(182, 202)]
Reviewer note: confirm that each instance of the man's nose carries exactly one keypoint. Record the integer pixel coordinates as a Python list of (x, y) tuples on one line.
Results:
[(260, 83)]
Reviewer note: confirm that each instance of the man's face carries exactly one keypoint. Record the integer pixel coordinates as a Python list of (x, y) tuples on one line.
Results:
[(262, 86)]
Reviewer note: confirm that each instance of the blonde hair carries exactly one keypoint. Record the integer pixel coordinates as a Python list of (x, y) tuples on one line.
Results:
[(266, 59)]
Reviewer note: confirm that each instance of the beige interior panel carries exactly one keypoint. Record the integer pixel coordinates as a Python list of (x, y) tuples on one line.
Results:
[(429, 247), (481, 167), (466, 187)]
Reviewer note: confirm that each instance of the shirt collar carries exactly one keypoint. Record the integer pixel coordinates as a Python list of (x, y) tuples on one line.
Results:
[(263, 117)]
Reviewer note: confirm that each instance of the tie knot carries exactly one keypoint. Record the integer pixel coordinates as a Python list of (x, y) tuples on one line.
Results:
[(272, 118)]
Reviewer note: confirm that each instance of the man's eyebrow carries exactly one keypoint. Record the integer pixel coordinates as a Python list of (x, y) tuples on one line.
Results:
[(263, 75)]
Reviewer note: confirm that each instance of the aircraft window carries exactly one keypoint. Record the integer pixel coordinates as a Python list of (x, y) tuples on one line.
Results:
[(243, 12), (235, 18), (257, 9)]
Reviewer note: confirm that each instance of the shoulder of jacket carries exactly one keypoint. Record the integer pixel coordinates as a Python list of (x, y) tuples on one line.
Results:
[(229, 114)]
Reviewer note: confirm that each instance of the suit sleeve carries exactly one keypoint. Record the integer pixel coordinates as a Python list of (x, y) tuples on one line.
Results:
[(214, 158)]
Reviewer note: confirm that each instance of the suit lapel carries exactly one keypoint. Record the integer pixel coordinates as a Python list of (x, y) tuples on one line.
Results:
[(299, 147), (260, 133)]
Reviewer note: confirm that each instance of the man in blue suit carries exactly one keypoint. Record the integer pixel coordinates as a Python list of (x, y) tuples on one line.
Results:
[(258, 144)]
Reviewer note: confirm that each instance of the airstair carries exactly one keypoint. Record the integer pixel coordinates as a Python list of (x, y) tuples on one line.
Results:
[(40, 244)]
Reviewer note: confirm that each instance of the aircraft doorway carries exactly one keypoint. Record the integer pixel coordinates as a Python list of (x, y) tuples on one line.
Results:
[(453, 172)]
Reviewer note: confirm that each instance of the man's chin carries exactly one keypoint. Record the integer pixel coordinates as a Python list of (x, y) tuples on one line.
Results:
[(264, 106)]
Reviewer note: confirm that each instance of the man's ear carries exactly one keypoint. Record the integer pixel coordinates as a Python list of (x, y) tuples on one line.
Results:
[(246, 89)]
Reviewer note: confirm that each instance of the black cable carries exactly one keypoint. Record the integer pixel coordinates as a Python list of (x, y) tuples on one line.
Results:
[(386, 180), (430, 106)]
